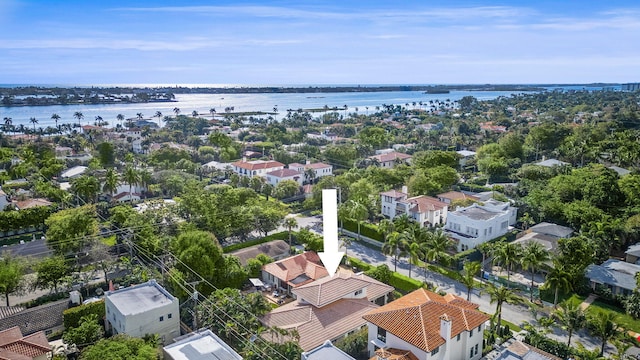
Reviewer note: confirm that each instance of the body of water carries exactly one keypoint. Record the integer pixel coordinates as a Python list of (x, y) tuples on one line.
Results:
[(201, 103)]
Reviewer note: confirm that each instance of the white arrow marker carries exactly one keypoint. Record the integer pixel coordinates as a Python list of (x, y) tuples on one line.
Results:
[(331, 256)]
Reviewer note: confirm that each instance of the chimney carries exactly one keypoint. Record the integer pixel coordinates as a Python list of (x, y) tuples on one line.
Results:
[(244, 159), (445, 331), (405, 189), (307, 162)]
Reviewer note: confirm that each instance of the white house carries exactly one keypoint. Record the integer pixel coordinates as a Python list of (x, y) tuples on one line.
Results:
[(465, 156), (390, 159), (425, 210), (426, 326), (256, 167), (200, 345), (319, 169), (143, 309), (477, 224), (277, 176)]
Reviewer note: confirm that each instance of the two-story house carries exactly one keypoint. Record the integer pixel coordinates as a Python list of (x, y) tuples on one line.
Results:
[(319, 170), (277, 176), (426, 326), (143, 309), (329, 308), (294, 271), (477, 224), (390, 159), (256, 167), (425, 210)]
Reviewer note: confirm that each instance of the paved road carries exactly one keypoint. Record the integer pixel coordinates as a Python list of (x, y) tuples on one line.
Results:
[(30, 294), (517, 314)]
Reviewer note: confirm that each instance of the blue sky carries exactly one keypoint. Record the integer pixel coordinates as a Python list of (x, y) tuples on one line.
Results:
[(318, 42)]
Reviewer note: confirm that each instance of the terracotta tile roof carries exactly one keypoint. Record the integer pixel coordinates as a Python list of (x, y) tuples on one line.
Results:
[(258, 164), (315, 325), (456, 195), (394, 354), (391, 156), (423, 204), (415, 318), (304, 265), (393, 193), (14, 346), (329, 289), (282, 173)]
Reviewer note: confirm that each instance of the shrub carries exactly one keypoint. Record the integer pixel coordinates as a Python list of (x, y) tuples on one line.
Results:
[(71, 317), (368, 230), (403, 283)]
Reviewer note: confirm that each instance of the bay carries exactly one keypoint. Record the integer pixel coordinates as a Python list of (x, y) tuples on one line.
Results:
[(202, 103)]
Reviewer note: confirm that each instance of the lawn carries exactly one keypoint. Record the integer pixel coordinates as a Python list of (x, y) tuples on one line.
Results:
[(622, 319)]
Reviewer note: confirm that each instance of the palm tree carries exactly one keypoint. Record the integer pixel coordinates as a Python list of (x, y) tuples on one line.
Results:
[(507, 255), (438, 244), (357, 212), (7, 123), (386, 227), (571, 317), (176, 111), (290, 223), (393, 247), (131, 177), (413, 252), (120, 118), (79, 116), (401, 222), (533, 256), (194, 113), (557, 278), (34, 121), (158, 114), (467, 278), (212, 111), (603, 325), (111, 180), (501, 295), (55, 117), (85, 187), (140, 116)]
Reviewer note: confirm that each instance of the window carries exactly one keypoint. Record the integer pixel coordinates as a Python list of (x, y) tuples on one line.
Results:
[(504, 225), (435, 351), (458, 337), (382, 334), (161, 318), (358, 292), (471, 333), (471, 353), (490, 228), (476, 348), (169, 316)]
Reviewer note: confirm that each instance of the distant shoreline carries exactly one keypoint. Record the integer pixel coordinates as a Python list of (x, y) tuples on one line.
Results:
[(46, 96)]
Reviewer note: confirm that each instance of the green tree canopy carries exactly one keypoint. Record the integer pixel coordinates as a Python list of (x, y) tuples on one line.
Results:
[(120, 347), (70, 230)]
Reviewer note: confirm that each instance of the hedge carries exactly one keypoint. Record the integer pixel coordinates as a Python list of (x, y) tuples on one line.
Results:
[(368, 230), (361, 265), (403, 283), (71, 317), (284, 235)]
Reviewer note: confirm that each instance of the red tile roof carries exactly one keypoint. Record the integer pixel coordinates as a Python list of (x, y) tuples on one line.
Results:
[(415, 318), (456, 195), (307, 264), (258, 164), (31, 203), (422, 203), (315, 325), (282, 173), (14, 346)]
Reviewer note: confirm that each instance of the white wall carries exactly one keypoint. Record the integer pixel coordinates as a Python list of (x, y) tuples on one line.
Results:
[(148, 322)]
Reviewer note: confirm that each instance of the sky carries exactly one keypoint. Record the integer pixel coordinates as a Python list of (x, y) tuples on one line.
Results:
[(318, 42)]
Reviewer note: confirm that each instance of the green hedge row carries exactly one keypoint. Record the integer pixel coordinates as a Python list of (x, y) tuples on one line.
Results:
[(366, 229), (71, 317), (403, 283), (284, 235), (361, 265)]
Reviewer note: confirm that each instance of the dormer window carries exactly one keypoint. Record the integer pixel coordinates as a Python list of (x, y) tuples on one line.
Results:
[(359, 292)]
